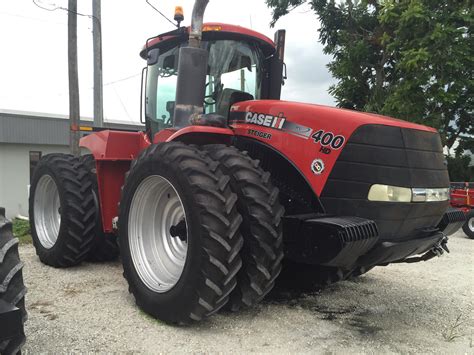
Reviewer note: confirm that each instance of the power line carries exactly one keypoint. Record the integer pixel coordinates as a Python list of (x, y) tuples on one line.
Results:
[(123, 79), (148, 2), (122, 104), (31, 18), (65, 9)]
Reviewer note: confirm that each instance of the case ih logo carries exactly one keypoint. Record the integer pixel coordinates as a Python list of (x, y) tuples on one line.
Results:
[(275, 122), (261, 119), (317, 166)]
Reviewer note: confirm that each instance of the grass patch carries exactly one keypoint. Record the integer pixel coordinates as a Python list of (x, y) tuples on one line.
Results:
[(454, 331), (21, 230)]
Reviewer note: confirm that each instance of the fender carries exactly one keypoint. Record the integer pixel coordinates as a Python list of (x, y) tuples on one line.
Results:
[(113, 151), (196, 135), (115, 145)]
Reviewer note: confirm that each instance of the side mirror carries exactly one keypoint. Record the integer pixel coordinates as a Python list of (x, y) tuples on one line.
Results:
[(152, 56)]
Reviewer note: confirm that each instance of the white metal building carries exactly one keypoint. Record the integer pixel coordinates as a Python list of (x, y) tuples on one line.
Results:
[(24, 139)]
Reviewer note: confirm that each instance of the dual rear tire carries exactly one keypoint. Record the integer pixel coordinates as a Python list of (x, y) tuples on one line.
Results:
[(62, 211), (65, 213)]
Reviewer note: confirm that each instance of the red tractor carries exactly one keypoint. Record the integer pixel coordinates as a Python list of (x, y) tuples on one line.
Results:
[(462, 197), (227, 182)]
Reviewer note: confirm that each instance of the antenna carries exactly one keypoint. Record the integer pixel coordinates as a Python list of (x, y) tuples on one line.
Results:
[(154, 8)]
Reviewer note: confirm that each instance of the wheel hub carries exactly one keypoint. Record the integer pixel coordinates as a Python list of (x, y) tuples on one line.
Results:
[(179, 230), (157, 233), (47, 211)]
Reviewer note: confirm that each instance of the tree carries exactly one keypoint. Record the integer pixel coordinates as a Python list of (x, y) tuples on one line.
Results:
[(409, 59)]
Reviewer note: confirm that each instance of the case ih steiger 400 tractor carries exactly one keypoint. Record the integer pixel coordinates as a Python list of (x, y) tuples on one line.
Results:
[(227, 182)]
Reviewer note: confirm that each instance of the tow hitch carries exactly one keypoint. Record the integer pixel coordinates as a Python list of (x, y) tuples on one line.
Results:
[(437, 250)]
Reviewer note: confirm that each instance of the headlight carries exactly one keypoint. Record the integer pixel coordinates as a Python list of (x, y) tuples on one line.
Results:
[(388, 193)]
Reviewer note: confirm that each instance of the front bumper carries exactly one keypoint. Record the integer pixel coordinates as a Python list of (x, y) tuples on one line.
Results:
[(428, 246), (389, 252), (348, 242)]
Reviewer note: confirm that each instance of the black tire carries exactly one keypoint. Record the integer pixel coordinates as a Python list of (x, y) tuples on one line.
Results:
[(214, 241), (12, 288), (469, 222), (77, 210), (104, 246), (258, 203)]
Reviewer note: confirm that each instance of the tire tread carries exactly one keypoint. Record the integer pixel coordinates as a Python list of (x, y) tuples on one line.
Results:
[(221, 241), (12, 288), (261, 228), (76, 232)]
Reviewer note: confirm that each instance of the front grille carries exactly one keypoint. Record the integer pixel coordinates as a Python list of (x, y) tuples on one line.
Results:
[(396, 156)]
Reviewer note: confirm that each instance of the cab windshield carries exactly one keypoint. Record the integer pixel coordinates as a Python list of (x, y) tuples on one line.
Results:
[(234, 71)]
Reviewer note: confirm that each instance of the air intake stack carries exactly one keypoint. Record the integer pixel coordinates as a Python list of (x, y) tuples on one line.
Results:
[(192, 71)]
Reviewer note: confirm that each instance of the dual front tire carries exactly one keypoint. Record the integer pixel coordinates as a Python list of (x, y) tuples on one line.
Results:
[(179, 233), (215, 222)]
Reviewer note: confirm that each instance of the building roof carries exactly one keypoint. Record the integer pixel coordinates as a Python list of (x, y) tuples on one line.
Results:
[(34, 128)]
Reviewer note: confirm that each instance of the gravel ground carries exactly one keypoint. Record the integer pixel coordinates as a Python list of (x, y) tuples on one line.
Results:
[(396, 309)]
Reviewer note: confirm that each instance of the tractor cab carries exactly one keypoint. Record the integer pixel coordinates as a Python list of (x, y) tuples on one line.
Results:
[(242, 65)]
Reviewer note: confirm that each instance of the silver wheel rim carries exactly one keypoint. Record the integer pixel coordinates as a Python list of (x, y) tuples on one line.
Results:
[(470, 224), (158, 257), (47, 211)]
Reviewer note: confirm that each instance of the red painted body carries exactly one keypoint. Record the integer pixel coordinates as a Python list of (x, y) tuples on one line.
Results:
[(290, 133), (113, 151), (169, 135)]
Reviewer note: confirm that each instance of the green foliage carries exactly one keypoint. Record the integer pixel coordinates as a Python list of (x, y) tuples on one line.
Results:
[(410, 59), (459, 169), (21, 230)]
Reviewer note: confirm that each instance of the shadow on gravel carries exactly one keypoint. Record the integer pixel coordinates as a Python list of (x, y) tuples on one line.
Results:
[(296, 295)]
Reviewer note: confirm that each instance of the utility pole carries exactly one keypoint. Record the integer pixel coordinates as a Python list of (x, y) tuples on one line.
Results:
[(74, 111), (97, 39)]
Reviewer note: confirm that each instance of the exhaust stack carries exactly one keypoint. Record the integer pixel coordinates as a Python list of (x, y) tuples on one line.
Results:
[(192, 72)]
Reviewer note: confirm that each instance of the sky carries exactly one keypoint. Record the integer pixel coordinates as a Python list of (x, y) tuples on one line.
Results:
[(33, 54)]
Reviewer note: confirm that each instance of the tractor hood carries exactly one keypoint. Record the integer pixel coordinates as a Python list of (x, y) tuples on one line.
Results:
[(313, 137)]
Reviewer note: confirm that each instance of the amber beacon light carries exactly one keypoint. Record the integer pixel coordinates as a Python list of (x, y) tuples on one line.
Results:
[(178, 14)]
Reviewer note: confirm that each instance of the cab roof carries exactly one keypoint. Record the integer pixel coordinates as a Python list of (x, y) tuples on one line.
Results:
[(211, 30)]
